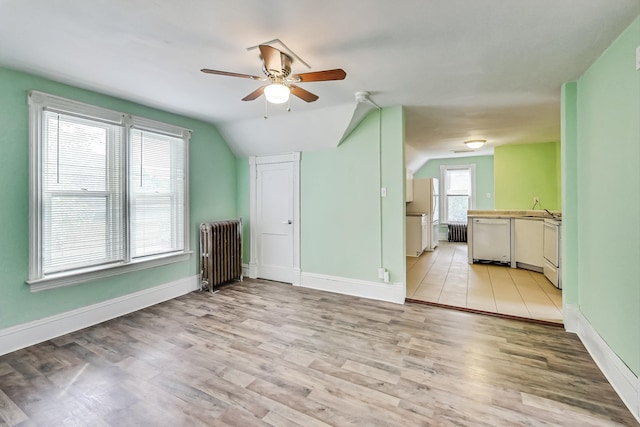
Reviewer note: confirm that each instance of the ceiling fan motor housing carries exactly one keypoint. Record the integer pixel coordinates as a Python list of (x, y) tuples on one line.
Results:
[(283, 72)]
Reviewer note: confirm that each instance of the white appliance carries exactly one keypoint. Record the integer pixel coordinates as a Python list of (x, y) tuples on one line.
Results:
[(426, 200), (491, 240), (417, 234), (551, 251)]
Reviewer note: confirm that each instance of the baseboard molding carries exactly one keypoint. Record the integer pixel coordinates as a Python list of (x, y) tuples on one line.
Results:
[(621, 378), (37, 331), (395, 292), (570, 317)]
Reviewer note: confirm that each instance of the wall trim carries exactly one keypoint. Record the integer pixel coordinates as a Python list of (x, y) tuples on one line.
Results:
[(621, 378), (253, 270), (37, 331), (355, 287)]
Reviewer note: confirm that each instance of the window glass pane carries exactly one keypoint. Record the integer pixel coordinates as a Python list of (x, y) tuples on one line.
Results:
[(457, 207), (157, 193), (76, 153), (459, 181), (79, 233)]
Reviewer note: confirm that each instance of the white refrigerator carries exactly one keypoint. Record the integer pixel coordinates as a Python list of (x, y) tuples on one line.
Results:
[(426, 200)]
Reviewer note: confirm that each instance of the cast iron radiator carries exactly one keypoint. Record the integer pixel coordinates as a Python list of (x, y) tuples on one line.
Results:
[(457, 232), (220, 252)]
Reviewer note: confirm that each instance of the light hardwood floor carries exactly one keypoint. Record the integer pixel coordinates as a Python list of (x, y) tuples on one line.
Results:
[(445, 277), (268, 354)]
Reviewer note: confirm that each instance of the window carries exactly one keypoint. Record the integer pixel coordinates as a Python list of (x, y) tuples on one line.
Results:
[(108, 192), (458, 192)]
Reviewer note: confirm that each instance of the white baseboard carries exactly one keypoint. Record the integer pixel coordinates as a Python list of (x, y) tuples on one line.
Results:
[(395, 292), (26, 334), (570, 317), (623, 380)]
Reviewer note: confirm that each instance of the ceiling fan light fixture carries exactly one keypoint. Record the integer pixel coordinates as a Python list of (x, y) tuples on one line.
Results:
[(475, 143), (277, 93)]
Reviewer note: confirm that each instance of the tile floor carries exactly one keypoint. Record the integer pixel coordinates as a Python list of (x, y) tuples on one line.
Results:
[(445, 277)]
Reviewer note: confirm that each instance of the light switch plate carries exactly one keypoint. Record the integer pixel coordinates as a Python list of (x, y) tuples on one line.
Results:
[(638, 58), (383, 192)]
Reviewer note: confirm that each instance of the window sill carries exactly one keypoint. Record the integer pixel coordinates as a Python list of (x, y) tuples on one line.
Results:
[(73, 278)]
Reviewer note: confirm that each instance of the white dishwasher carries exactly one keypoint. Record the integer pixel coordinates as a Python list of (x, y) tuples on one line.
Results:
[(491, 239)]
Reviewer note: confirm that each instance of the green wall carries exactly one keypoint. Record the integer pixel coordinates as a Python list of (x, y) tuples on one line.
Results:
[(212, 173), (608, 165), (569, 232), (344, 222), (525, 171)]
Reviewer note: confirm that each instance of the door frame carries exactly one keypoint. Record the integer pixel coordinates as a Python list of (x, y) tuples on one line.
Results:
[(254, 161)]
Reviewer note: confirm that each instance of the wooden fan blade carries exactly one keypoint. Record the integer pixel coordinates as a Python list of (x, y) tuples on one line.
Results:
[(227, 73), (255, 94), (271, 57), (305, 95), (320, 76)]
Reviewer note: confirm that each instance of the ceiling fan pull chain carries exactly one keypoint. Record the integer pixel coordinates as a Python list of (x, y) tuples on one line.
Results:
[(289, 105), (266, 109)]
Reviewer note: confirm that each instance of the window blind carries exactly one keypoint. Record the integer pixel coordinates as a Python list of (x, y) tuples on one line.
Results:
[(82, 193), (157, 193)]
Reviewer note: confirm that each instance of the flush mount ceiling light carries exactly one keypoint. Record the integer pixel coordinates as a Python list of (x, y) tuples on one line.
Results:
[(475, 143), (277, 93)]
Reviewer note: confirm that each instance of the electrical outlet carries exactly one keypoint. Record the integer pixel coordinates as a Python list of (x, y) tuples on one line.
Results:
[(536, 199), (381, 271), (386, 277)]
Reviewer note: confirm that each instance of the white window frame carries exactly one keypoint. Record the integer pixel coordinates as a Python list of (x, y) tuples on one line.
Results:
[(38, 102), (443, 187)]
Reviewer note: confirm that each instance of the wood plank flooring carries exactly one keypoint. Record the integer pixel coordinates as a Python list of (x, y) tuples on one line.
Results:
[(445, 277), (260, 353)]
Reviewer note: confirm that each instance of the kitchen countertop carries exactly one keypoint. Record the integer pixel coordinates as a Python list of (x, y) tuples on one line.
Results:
[(504, 213)]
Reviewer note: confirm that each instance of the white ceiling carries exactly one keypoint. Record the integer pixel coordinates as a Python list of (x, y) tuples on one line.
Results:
[(462, 68)]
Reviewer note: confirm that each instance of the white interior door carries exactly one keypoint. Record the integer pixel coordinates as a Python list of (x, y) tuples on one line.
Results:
[(275, 221)]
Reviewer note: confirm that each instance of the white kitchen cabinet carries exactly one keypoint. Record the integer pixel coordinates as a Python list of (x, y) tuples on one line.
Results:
[(417, 234), (552, 240), (529, 243), (409, 186)]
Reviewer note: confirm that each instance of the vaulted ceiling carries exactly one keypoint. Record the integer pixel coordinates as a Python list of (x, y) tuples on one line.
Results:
[(490, 69)]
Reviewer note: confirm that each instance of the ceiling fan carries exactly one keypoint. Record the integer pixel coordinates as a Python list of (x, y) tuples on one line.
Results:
[(276, 66)]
